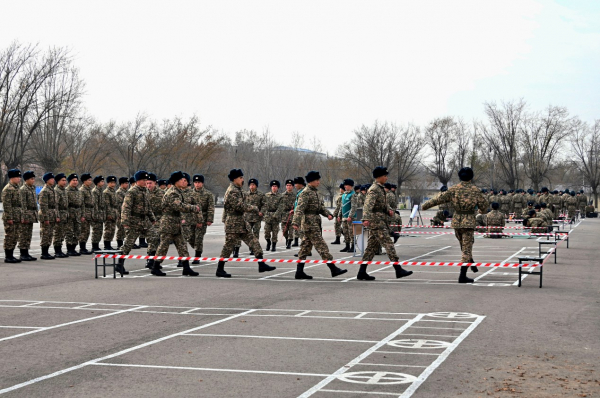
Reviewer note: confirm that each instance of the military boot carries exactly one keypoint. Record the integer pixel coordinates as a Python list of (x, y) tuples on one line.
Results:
[(263, 267), (300, 272), (187, 271), (396, 235), (143, 242), (82, 249), (221, 270), (120, 267), (71, 251), (25, 256), (351, 248), (473, 268), (362, 274), (179, 263), (96, 246), (156, 270), (119, 243), (198, 254), (295, 242), (58, 253), (288, 243), (150, 262), (45, 255), (107, 245), (236, 252), (9, 257), (346, 248), (273, 246), (401, 272), (463, 276), (335, 271), (336, 241), (135, 246), (268, 245)]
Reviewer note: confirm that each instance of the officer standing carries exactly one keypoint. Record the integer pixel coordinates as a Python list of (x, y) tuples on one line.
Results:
[(255, 198), (206, 201), (88, 210), (288, 199), (272, 209), (347, 214), (62, 202), (100, 212), (120, 195), (111, 206), (48, 215), (75, 219), (12, 215), (29, 215)]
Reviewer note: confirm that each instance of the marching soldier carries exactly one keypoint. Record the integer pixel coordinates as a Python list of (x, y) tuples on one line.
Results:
[(76, 218), (12, 215), (347, 214), (236, 228), (48, 215), (255, 198), (272, 210), (288, 199), (120, 196), (155, 197), (376, 213), (88, 211), (62, 201), (189, 218), (300, 185), (100, 212), (142, 239), (111, 206), (465, 197), (307, 215), (28, 216), (337, 224), (206, 201)]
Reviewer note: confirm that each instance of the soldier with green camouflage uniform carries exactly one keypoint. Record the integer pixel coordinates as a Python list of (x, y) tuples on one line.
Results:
[(206, 201), (62, 202), (99, 212), (12, 215), (75, 219), (112, 210), (504, 203), (440, 218), (300, 185), (337, 224), (571, 203), (465, 197), (376, 213), (254, 198), (29, 215), (495, 219), (519, 203), (48, 215), (155, 197), (395, 219), (583, 201), (88, 210), (272, 210), (189, 219), (347, 214), (535, 222), (120, 196), (236, 228), (307, 215), (288, 199)]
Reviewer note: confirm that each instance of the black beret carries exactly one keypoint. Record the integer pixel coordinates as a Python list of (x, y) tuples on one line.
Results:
[(111, 179), (555, 192), (544, 189), (152, 177), (537, 207), (299, 180), (187, 177), (495, 205), (342, 186), (495, 192), (275, 183), (48, 176), (162, 182), (72, 176), (85, 177), (123, 180), (387, 185), (140, 175), (199, 178), (394, 186), (97, 179), (253, 181), (176, 176), (312, 176), (289, 182), (28, 174), (380, 171), (60, 176), (349, 181), (443, 188), (465, 174), (581, 191), (12, 173), (235, 173)]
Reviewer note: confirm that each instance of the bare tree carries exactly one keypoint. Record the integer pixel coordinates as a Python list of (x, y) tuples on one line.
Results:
[(409, 152), (440, 136), (585, 143)]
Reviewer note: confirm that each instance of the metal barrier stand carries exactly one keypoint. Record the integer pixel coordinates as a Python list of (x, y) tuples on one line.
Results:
[(103, 265)]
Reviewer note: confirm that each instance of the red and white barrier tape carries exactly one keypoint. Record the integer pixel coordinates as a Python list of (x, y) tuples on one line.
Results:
[(487, 233), (449, 227)]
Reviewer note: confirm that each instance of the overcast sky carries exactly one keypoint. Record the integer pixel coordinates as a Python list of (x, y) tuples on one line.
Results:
[(321, 68)]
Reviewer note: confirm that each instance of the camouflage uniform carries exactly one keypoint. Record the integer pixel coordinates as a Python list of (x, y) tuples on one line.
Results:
[(348, 208), (519, 203), (136, 215), (236, 228), (547, 215), (439, 219), (583, 201), (206, 201), (11, 199), (376, 211), (505, 204), (28, 215), (111, 205), (48, 214), (481, 220), (120, 195), (255, 198), (537, 225), (156, 198), (337, 225), (308, 215), (495, 219), (173, 205), (88, 212), (298, 233), (75, 203), (571, 204), (189, 219), (60, 229), (465, 196), (272, 210), (395, 219), (99, 216), (288, 199)]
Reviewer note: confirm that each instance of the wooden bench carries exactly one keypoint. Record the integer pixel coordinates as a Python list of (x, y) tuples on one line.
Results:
[(539, 260), (103, 265)]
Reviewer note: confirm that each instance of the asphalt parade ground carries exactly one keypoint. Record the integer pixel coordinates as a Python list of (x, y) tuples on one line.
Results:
[(65, 333)]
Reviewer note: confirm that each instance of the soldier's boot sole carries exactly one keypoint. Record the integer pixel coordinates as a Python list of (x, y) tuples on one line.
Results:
[(107, 245), (345, 249), (464, 279), (179, 264), (263, 267), (58, 253), (26, 257), (336, 241), (9, 257), (157, 272), (401, 272)]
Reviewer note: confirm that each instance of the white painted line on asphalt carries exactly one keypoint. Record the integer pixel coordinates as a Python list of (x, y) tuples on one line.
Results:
[(387, 364), (190, 310), (359, 358), (21, 327), (427, 335), (361, 315), (302, 313), (423, 376), (280, 338), (359, 392), (494, 268), (294, 270), (83, 306), (210, 369), (432, 327), (34, 303), (406, 353)]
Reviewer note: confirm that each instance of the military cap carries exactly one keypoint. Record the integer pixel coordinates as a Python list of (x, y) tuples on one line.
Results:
[(529, 203), (111, 179), (342, 186), (537, 207), (85, 177), (555, 192), (60, 176), (72, 176), (12, 173), (176, 176), (123, 180), (312, 176), (299, 180), (367, 186), (253, 181), (544, 189), (152, 177), (348, 181), (235, 173), (572, 193), (581, 191), (495, 192), (140, 175), (495, 205), (132, 180), (466, 174), (387, 185), (443, 188), (511, 191), (531, 213), (364, 187), (503, 192), (187, 177), (47, 176), (530, 191), (380, 171), (198, 178), (97, 179), (394, 186), (28, 174), (289, 182), (275, 183), (356, 188), (542, 205), (162, 182)]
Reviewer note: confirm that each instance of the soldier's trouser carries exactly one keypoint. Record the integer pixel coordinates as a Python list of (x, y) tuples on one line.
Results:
[(25, 235), (255, 228), (271, 231), (347, 231), (120, 231), (60, 231), (232, 240), (131, 234), (572, 212), (177, 239), (46, 233), (198, 244), (466, 238), (287, 234), (314, 237), (379, 237), (85, 230), (110, 226), (73, 229), (582, 210), (298, 233), (518, 211), (97, 228), (189, 233), (154, 237), (11, 235), (338, 227)]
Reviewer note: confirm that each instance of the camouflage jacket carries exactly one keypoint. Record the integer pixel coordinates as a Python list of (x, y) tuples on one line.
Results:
[(338, 206), (120, 197), (110, 204), (392, 201), (48, 204), (376, 208), (495, 218), (88, 207), (439, 218), (309, 210), (272, 207), (545, 198), (537, 224), (62, 201), (173, 204), (547, 215), (236, 206), (257, 199), (530, 198), (206, 201), (11, 200), (99, 204), (481, 220), (360, 199), (136, 207), (582, 199), (288, 199), (190, 199), (156, 198), (571, 202), (75, 202), (28, 204), (519, 203), (504, 203), (465, 197)]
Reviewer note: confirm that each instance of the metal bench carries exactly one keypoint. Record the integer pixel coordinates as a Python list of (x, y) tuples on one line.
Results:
[(547, 242), (103, 265), (539, 260)]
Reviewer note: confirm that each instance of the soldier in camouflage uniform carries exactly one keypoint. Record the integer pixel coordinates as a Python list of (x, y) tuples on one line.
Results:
[(546, 214), (11, 216), (347, 214), (99, 212), (300, 185), (88, 210), (255, 198), (272, 209), (535, 222), (440, 218), (48, 215), (62, 201), (236, 227), (173, 205), (190, 221), (120, 196), (112, 210), (162, 184), (395, 219), (495, 219), (308, 214), (571, 203), (583, 201), (336, 216), (504, 203), (376, 213), (206, 201), (75, 219), (288, 199), (155, 196), (29, 215), (465, 197)]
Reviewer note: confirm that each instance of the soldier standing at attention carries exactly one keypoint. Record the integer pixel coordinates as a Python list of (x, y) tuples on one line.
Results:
[(62, 202), (272, 209), (28, 216), (99, 212), (88, 210), (300, 186), (376, 213), (347, 214), (288, 199), (465, 197), (235, 225), (112, 210), (571, 204), (120, 195), (337, 219), (75, 219), (583, 201), (255, 198), (206, 201), (307, 216), (189, 219), (162, 184), (48, 215), (11, 217)]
